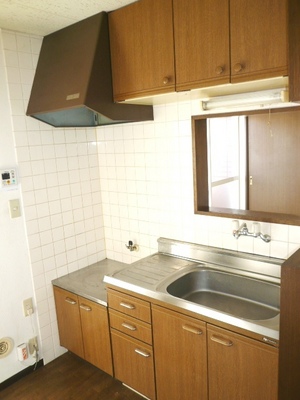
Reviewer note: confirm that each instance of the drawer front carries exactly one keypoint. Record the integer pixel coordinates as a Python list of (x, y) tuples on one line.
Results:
[(133, 363), (131, 326), (129, 305)]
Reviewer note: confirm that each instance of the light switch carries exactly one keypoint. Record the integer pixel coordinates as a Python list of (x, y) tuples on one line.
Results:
[(14, 208)]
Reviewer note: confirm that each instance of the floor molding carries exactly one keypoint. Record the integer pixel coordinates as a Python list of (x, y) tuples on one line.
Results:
[(21, 374)]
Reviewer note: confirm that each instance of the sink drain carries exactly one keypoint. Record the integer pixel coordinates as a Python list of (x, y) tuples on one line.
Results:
[(6, 346)]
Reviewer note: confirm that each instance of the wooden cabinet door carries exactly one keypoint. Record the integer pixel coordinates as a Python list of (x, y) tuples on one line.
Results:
[(240, 368), (68, 319), (258, 32), (142, 51), (133, 363), (273, 143), (95, 333), (180, 356), (201, 33)]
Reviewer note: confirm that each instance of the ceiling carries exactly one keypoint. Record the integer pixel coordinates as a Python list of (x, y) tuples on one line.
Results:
[(41, 17)]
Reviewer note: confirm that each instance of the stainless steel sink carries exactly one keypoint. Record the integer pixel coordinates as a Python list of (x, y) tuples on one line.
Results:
[(238, 295)]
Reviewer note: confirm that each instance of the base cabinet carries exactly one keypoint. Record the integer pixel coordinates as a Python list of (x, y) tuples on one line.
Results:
[(180, 355), (131, 336), (133, 363), (240, 367), (199, 361), (83, 328)]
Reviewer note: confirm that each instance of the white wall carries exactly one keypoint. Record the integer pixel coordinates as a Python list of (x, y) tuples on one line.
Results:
[(15, 271), (86, 192)]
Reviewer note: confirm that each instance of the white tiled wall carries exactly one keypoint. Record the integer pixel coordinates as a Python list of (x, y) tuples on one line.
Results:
[(144, 171), (147, 190)]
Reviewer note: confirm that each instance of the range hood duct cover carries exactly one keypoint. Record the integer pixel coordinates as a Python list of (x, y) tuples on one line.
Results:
[(72, 86)]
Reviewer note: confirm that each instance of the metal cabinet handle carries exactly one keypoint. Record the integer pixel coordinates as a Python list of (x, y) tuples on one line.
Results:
[(142, 353), (192, 329), (85, 308), (127, 305), (70, 301), (128, 326), (270, 341), (220, 340)]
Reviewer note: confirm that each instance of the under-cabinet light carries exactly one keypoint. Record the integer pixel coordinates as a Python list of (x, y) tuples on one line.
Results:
[(261, 98)]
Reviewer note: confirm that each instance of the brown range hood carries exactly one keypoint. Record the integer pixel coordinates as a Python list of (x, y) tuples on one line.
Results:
[(72, 86)]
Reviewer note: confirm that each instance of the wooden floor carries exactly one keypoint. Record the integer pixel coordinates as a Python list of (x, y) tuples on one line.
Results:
[(68, 378)]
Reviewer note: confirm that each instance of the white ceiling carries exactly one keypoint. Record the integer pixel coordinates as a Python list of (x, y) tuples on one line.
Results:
[(41, 17)]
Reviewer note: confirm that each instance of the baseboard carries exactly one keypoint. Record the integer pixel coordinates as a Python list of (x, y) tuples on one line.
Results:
[(21, 374)]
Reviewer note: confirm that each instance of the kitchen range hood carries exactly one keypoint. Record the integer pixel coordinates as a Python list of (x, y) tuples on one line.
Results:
[(72, 86)]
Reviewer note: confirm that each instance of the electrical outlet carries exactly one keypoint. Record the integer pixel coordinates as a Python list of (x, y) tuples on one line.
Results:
[(33, 345), (27, 307)]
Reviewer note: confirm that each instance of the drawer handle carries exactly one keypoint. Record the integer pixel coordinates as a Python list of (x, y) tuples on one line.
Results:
[(270, 341), (128, 326), (85, 308), (70, 301), (142, 353), (192, 329), (224, 342), (127, 305)]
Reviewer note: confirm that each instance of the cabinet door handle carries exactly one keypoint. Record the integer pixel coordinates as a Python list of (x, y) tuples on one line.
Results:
[(142, 353), (220, 340), (85, 308), (128, 326), (166, 80), (238, 67), (127, 305), (70, 301), (219, 70), (192, 329)]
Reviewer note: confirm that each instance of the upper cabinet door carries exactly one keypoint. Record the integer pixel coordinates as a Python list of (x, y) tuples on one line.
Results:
[(201, 32), (258, 39), (142, 49)]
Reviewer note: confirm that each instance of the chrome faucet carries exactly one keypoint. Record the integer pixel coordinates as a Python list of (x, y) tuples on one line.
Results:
[(243, 230)]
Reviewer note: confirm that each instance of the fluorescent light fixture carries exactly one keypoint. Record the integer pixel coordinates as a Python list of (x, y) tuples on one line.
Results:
[(260, 98)]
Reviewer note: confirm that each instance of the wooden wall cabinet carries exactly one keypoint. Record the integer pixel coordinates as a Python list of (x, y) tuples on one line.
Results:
[(201, 35), (159, 46), (131, 335), (180, 355), (258, 39), (83, 328), (240, 367), (217, 41), (142, 50)]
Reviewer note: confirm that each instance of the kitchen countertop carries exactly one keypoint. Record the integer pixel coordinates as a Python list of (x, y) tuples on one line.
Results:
[(88, 281)]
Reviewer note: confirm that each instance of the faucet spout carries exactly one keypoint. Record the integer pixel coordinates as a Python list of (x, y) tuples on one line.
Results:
[(265, 238)]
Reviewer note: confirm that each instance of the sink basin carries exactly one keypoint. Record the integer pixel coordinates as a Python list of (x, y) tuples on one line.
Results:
[(237, 295)]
